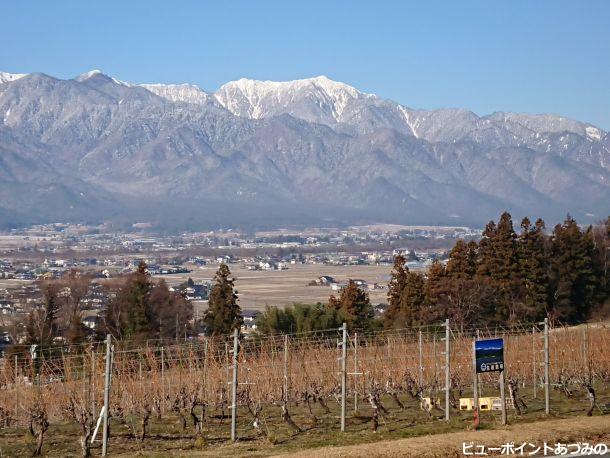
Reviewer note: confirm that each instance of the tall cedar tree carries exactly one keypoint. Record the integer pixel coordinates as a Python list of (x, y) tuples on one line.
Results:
[(142, 310), (499, 266), (604, 255), (435, 289), (398, 281), (130, 315), (533, 264), (601, 235), (411, 301), (224, 314), (462, 260), (139, 310), (605, 258), (485, 256), (353, 306), (574, 277)]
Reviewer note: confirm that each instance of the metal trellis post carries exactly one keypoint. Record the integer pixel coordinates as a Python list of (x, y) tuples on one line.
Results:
[(286, 369), (534, 359), (447, 369), (343, 375), (234, 387), (355, 371), (475, 382), (106, 395), (547, 361), (421, 364)]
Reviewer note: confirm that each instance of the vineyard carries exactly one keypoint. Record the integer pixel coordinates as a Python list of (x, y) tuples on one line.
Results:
[(289, 391)]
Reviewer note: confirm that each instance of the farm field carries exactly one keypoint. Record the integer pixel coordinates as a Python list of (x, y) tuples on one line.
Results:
[(257, 289), (435, 437), (175, 397)]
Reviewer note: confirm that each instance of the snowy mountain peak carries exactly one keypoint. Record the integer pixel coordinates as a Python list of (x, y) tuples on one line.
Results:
[(321, 82), (9, 77), (98, 73), (305, 98), (90, 74), (188, 93)]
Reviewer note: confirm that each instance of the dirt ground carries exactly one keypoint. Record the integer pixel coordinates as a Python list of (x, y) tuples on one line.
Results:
[(592, 429), (284, 287)]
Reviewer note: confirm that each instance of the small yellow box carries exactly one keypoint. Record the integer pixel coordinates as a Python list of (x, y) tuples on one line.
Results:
[(428, 402), (466, 403), (486, 403)]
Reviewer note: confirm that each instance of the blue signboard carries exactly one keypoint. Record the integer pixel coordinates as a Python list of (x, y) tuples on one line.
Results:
[(489, 355)]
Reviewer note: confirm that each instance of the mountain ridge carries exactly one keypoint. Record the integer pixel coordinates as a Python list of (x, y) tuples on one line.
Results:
[(313, 142)]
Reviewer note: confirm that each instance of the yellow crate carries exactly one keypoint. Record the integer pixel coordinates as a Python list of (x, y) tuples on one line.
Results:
[(485, 403), (428, 402), (466, 403)]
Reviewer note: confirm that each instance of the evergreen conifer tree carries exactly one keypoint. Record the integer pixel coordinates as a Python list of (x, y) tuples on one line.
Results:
[(411, 301), (435, 287), (486, 250), (353, 306), (574, 279), (505, 268), (398, 281), (136, 295), (534, 269), (499, 268), (223, 314), (605, 258), (462, 260)]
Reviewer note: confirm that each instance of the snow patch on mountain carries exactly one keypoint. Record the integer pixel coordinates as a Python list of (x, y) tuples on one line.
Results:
[(413, 124), (593, 133), (10, 77), (188, 93)]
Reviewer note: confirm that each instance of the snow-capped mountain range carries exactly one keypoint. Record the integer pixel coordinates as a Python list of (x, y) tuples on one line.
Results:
[(309, 150)]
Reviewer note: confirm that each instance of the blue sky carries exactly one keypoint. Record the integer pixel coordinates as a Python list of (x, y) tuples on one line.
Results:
[(525, 56)]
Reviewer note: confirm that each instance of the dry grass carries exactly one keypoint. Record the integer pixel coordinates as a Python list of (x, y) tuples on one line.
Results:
[(593, 429)]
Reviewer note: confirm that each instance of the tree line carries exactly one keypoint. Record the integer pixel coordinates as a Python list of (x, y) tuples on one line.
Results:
[(505, 277), (508, 277), (139, 309)]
